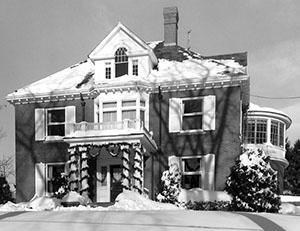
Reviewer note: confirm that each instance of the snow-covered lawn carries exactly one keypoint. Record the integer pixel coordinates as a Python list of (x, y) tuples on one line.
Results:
[(127, 200), (130, 201)]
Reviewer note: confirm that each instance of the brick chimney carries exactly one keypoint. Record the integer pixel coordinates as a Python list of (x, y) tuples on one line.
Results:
[(170, 25)]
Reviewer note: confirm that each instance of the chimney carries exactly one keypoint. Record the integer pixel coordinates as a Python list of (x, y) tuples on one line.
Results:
[(170, 25)]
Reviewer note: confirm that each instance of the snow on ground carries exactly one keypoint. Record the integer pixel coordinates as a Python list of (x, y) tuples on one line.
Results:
[(127, 200), (198, 194)]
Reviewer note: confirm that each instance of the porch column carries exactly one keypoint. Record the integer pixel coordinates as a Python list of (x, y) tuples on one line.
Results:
[(84, 186), (138, 168), (73, 175), (126, 167)]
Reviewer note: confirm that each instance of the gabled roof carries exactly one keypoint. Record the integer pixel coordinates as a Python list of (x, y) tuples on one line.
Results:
[(120, 27)]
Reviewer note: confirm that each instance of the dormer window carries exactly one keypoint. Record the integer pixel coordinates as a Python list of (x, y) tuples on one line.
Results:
[(135, 70), (121, 62)]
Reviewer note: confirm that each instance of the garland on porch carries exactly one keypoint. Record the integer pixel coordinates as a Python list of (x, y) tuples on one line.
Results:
[(126, 167), (73, 174), (84, 186), (138, 169)]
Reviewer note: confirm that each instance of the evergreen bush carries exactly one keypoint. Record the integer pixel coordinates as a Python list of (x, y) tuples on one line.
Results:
[(171, 185), (5, 193), (253, 184)]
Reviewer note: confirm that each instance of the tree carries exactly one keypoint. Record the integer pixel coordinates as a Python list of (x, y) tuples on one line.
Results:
[(292, 172), (253, 184), (6, 166)]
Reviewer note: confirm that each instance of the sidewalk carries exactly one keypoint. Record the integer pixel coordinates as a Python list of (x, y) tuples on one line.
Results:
[(146, 220)]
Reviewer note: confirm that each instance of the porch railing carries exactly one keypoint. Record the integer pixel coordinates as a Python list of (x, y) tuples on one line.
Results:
[(125, 125)]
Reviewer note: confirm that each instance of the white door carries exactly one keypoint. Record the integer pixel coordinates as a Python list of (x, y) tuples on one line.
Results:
[(103, 183)]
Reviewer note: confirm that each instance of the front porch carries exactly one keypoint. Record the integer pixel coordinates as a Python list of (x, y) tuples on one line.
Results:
[(106, 158)]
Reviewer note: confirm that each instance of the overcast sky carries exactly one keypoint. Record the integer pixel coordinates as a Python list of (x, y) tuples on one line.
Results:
[(39, 38)]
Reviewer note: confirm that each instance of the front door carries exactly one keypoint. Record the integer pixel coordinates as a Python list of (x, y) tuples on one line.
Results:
[(116, 181)]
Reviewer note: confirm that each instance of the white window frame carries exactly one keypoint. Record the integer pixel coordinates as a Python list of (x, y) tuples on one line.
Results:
[(135, 67), (47, 179), (56, 123), (192, 114), (108, 69), (196, 173)]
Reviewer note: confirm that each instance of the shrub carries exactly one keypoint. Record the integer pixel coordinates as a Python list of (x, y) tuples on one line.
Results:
[(61, 183), (209, 205), (253, 184), (5, 193), (171, 185)]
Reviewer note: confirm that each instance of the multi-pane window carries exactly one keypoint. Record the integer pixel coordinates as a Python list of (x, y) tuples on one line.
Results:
[(109, 112), (107, 71), (55, 122), (255, 131), (281, 134), (54, 178), (191, 174), (121, 62), (277, 133), (192, 114), (129, 109), (135, 70), (274, 132)]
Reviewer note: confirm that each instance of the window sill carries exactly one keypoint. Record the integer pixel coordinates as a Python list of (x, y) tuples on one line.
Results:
[(53, 138), (192, 132)]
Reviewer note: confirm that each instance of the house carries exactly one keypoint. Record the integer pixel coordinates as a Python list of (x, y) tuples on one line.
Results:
[(265, 128), (118, 119)]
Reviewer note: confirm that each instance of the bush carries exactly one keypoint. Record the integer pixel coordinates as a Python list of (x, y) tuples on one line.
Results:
[(5, 193), (61, 186), (253, 184), (171, 185), (209, 205)]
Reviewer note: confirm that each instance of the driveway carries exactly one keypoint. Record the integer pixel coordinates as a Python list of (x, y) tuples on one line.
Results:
[(145, 220)]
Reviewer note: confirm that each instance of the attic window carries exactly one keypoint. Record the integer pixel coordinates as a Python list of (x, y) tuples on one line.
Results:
[(121, 62)]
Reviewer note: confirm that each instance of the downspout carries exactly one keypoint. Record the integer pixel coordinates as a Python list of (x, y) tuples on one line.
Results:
[(82, 107)]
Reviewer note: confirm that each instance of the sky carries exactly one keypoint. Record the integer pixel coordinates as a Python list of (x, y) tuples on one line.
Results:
[(39, 38)]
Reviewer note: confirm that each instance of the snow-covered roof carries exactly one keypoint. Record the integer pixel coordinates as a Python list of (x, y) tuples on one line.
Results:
[(175, 64), (76, 78), (258, 110)]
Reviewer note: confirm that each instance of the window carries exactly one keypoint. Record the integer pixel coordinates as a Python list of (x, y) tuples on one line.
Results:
[(277, 133), (121, 62), (274, 132), (107, 71), (255, 131), (281, 135), (135, 67), (110, 115), (55, 122), (191, 172), (192, 114), (54, 177)]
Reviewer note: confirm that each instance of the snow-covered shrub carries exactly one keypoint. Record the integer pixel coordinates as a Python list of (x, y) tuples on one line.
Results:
[(171, 180), (5, 193), (61, 183), (253, 184), (208, 205)]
